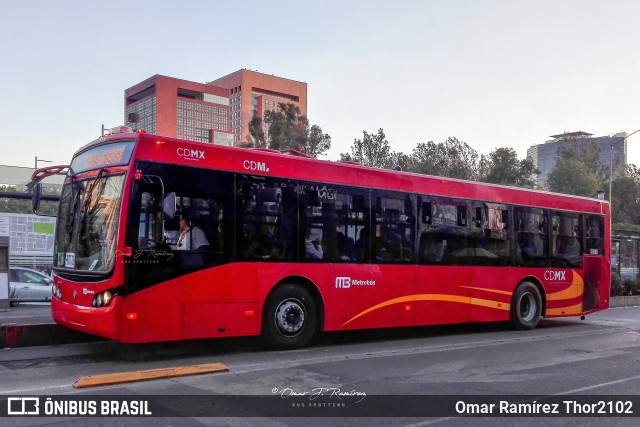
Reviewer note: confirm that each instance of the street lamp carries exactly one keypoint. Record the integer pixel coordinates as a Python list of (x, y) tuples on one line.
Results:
[(40, 160)]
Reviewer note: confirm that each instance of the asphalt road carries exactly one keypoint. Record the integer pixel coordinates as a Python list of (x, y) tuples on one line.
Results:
[(562, 359)]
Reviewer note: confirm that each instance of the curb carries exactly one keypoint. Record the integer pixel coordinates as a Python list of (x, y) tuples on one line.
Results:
[(13, 335), (627, 301)]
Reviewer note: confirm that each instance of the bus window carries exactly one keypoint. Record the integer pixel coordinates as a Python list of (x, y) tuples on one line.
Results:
[(335, 223), (595, 235), (531, 235), (267, 219), (394, 225), (566, 240), (150, 227), (489, 242)]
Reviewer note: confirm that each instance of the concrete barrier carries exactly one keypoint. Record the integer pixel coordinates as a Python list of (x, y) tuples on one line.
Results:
[(627, 301)]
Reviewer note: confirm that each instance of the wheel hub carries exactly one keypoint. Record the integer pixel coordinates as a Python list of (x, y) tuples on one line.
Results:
[(290, 317)]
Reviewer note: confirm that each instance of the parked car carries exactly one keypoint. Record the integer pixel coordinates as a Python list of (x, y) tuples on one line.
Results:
[(27, 285)]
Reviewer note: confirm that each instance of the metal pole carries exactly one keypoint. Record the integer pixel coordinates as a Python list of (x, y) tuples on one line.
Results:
[(624, 138), (610, 171)]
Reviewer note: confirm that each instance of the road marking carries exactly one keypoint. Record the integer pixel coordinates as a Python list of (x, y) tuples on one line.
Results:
[(591, 387), (151, 374)]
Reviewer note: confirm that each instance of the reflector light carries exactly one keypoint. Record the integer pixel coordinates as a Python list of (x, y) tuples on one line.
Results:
[(248, 313), (407, 307), (131, 316)]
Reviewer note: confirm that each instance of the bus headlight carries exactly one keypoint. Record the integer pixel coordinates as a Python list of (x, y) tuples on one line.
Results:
[(55, 290), (102, 299), (106, 297)]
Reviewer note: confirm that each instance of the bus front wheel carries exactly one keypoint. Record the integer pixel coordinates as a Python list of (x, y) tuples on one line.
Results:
[(290, 317), (526, 307)]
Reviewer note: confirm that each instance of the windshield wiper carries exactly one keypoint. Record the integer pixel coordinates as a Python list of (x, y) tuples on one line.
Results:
[(89, 194)]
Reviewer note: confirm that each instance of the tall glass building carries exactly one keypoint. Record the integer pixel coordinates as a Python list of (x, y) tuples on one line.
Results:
[(614, 146)]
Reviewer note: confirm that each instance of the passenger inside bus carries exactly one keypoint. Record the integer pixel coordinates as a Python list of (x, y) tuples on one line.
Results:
[(191, 236), (313, 249)]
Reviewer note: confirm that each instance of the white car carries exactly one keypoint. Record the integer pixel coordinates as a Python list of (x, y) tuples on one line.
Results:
[(27, 285)]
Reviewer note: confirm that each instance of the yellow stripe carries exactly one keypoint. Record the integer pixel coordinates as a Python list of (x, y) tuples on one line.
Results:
[(433, 297), (573, 309), (495, 291), (576, 289), (398, 300)]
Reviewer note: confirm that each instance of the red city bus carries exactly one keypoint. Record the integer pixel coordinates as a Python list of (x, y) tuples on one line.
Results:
[(161, 239)]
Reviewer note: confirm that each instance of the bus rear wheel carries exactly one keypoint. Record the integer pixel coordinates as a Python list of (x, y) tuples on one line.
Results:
[(290, 318), (526, 307)]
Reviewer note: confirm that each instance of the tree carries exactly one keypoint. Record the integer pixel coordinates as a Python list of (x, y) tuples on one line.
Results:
[(577, 171), (287, 128), (372, 150), (571, 176), (15, 205), (317, 143), (452, 158), (588, 153), (256, 137), (502, 166), (626, 201)]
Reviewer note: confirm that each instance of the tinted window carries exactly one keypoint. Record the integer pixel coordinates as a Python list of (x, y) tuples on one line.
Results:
[(595, 235), (530, 226), (489, 243), (566, 240), (266, 219), (180, 220), (335, 222), (394, 221), (446, 238)]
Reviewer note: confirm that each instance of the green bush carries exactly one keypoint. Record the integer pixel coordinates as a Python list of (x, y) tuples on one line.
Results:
[(617, 288)]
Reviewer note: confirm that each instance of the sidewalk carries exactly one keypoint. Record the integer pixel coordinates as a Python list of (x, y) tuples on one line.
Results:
[(28, 325), (27, 314)]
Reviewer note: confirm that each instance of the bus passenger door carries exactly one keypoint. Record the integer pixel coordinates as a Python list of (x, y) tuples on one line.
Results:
[(595, 296)]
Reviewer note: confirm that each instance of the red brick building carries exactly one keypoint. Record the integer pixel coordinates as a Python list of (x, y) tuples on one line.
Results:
[(251, 92), (217, 112), (179, 108)]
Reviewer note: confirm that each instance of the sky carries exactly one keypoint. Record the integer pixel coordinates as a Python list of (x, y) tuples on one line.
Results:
[(492, 73)]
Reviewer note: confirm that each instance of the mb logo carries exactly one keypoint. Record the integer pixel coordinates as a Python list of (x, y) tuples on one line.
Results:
[(23, 406), (343, 282)]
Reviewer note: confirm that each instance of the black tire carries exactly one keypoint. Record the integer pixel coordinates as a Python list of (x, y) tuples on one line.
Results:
[(290, 318), (526, 307)]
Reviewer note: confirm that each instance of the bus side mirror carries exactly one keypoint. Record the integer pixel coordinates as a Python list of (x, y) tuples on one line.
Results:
[(36, 195)]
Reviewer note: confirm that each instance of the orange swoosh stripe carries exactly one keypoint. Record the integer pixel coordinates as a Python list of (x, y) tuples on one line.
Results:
[(576, 289), (433, 297), (573, 309), (495, 291)]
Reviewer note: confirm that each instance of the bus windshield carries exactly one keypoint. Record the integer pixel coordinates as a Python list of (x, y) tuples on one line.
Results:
[(87, 223)]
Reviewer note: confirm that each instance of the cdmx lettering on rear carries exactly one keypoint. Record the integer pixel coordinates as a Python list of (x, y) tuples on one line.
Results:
[(555, 275)]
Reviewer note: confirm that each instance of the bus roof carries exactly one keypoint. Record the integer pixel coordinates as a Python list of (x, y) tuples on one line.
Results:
[(290, 165)]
